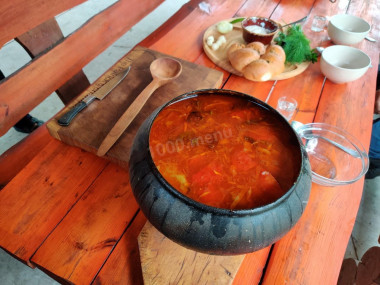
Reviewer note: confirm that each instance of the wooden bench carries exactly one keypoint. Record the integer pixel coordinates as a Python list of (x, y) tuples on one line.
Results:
[(56, 64)]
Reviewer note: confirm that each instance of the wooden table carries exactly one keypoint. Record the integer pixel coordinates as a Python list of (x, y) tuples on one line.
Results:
[(73, 215)]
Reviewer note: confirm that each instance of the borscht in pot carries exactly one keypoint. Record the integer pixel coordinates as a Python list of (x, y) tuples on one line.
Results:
[(219, 172)]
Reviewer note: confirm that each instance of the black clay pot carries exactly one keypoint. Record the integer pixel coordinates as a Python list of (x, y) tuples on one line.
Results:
[(208, 229)]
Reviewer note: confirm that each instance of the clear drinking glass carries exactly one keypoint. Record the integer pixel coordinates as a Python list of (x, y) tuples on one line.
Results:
[(319, 23), (287, 107)]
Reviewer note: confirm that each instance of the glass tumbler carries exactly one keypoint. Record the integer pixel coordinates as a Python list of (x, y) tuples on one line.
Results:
[(319, 23), (287, 107)]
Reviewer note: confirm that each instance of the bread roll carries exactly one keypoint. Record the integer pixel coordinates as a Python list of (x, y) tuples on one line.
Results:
[(258, 70), (256, 62), (233, 47), (257, 46), (276, 50), (241, 57), (276, 65)]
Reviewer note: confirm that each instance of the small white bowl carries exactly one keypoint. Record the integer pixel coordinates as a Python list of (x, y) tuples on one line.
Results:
[(342, 64), (347, 29)]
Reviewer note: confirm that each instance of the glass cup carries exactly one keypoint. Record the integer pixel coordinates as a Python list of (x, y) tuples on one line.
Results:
[(287, 107), (319, 23)]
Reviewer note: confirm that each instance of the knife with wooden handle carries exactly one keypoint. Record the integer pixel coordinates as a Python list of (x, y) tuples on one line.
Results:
[(99, 94)]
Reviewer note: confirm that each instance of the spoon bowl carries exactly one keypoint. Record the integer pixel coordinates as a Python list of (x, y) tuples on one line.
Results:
[(165, 69)]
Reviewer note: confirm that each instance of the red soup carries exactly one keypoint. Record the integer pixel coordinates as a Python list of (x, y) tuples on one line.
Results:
[(224, 151)]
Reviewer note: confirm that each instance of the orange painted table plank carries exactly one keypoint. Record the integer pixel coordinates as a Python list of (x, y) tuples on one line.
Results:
[(205, 61), (305, 88), (252, 268), (184, 40), (313, 251), (259, 90), (37, 199), (161, 31), (292, 10), (86, 236), (123, 266), (18, 156), (254, 8)]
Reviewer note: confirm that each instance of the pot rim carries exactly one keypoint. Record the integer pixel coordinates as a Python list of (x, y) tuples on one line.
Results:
[(204, 207)]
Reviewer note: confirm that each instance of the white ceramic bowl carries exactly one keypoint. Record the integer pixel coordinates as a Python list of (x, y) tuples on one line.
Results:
[(347, 29), (342, 64)]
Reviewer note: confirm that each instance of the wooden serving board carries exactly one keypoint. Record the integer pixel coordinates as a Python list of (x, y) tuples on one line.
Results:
[(165, 262), (219, 57), (91, 125)]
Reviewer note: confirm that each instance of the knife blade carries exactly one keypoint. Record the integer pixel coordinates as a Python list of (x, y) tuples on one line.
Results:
[(99, 94)]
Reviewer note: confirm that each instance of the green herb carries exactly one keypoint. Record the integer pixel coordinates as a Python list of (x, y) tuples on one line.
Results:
[(237, 20), (296, 45)]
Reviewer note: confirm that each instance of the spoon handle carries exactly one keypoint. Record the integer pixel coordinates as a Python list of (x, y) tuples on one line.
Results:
[(348, 150), (296, 22), (370, 39), (127, 117), (298, 125)]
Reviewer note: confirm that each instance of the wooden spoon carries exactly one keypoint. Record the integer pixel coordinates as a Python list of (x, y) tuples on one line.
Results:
[(163, 71)]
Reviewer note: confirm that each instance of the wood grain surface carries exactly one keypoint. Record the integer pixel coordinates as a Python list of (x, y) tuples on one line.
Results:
[(92, 125), (18, 156), (30, 210), (90, 230), (165, 262), (124, 266)]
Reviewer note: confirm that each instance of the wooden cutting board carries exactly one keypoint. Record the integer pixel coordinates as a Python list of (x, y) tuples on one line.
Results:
[(165, 262), (91, 126)]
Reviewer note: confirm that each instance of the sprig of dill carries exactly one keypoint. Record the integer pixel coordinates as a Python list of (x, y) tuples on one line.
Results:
[(296, 45)]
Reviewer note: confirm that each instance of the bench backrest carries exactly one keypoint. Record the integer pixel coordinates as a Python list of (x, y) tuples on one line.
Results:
[(56, 60)]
